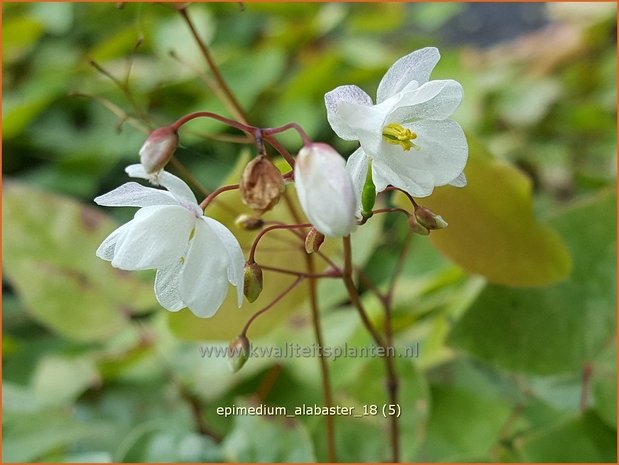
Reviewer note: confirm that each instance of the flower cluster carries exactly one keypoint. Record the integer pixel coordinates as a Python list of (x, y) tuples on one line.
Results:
[(406, 139)]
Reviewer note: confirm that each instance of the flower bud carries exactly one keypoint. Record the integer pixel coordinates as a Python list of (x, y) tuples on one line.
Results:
[(368, 195), (261, 184), (325, 190), (313, 240), (248, 223), (158, 149), (429, 219), (417, 227), (252, 281), (238, 353)]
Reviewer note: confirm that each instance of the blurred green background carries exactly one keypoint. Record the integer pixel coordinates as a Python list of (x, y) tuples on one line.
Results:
[(513, 306)]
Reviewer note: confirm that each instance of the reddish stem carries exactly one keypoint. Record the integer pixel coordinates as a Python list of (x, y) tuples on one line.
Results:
[(272, 131), (268, 307), (252, 251), (328, 274), (209, 198), (207, 114)]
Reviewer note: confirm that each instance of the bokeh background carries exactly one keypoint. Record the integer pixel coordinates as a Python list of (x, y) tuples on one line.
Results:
[(512, 307)]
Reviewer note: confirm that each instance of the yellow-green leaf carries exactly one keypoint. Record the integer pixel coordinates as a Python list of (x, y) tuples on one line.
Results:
[(49, 257), (492, 228)]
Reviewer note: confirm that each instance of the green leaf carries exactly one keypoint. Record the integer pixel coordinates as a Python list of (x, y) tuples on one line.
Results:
[(19, 35), (464, 425), (182, 446), (49, 258), (492, 230), (559, 328), (581, 439), (256, 438), (59, 380), (30, 437)]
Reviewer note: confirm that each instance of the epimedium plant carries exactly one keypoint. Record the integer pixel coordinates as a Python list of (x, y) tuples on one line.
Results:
[(466, 326), (197, 258)]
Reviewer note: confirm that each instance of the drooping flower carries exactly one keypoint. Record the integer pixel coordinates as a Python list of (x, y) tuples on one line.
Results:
[(407, 135), (195, 256), (325, 190)]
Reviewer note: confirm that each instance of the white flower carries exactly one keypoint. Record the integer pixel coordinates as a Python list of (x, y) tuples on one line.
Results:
[(195, 256), (325, 190), (407, 135)]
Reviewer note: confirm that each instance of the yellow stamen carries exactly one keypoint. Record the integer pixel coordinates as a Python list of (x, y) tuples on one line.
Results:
[(395, 134)]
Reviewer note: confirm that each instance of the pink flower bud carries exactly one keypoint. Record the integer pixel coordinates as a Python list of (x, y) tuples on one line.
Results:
[(429, 219), (325, 190), (158, 149)]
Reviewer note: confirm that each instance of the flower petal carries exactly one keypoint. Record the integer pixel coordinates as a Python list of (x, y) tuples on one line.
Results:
[(177, 187), (366, 123), (434, 100), (132, 194), (459, 181), (204, 279), (418, 183), (357, 166), (108, 246), (335, 99), (156, 237), (440, 158), (325, 190), (168, 286), (415, 66), (237, 261)]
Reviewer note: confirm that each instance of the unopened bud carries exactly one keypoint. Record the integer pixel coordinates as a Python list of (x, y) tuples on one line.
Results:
[(325, 190), (252, 281), (238, 353), (261, 184), (417, 227), (158, 149), (429, 219), (248, 223), (313, 240), (368, 195)]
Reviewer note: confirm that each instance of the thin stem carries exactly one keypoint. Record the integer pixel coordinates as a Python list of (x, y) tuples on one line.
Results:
[(391, 375), (268, 382), (410, 197), (116, 110), (392, 380), (352, 293), (587, 371), (391, 210), (285, 127), (229, 96), (209, 198), (252, 251), (268, 307), (281, 150), (326, 381), (123, 88), (207, 114), (334, 274)]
